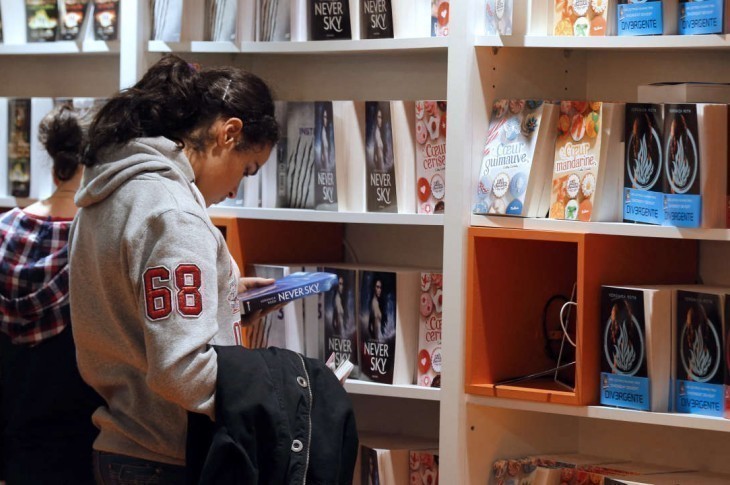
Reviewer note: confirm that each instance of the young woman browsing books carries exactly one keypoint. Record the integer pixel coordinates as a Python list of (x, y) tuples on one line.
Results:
[(45, 407), (152, 281)]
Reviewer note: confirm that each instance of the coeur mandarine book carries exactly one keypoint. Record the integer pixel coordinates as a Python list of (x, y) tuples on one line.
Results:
[(292, 287)]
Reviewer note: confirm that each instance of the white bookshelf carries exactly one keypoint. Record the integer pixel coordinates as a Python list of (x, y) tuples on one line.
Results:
[(61, 47), (347, 46), (607, 413), (661, 42), (607, 228), (386, 390), (192, 46), (327, 216)]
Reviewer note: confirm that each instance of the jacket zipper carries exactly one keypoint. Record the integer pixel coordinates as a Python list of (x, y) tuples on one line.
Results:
[(309, 418)]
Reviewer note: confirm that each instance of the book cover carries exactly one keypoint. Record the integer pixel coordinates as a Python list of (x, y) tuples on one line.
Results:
[(72, 14), (643, 196), (220, 20), (381, 188), (369, 472), (640, 17), (376, 19), (298, 172), (377, 325), (106, 19), (439, 18), (431, 156), (19, 147), (624, 370), (41, 20), (274, 20), (580, 18), (700, 16), (577, 159), (429, 330), (699, 380), (682, 200), (330, 19), (507, 157), (340, 317), (499, 17), (325, 197), (291, 287), (424, 467)]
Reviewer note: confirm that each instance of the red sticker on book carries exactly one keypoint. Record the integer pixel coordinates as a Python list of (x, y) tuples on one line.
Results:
[(424, 189)]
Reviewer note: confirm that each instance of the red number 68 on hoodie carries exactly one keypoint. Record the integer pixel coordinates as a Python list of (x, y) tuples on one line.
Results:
[(159, 297)]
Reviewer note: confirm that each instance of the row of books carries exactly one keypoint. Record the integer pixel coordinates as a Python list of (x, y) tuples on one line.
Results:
[(396, 461), (385, 321), (27, 21), (379, 156), (297, 20), (629, 17), (592, 161), (24, 163), (664, 348), (576, 469)]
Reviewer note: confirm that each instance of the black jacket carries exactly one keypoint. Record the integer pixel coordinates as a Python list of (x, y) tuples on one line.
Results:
[(281, 418)]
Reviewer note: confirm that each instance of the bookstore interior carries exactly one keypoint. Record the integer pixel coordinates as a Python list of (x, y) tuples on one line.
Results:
[(562, 320)]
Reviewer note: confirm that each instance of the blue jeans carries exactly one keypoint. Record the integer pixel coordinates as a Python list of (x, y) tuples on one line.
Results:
[(113, 469)]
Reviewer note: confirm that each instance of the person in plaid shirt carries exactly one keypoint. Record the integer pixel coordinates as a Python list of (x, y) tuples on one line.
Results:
[(45, 407)]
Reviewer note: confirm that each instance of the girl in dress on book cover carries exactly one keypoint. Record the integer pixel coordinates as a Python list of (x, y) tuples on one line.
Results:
[(324, 137), (377, 317), (379, 140)]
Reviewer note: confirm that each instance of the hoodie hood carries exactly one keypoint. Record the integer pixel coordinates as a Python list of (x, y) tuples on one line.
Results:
[(119, 164)]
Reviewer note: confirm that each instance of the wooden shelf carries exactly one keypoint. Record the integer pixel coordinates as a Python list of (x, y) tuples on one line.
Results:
[(61, 48), (309, 47), (325, 216), (601, 412), (607, 228), (386, 390), (669, 42)]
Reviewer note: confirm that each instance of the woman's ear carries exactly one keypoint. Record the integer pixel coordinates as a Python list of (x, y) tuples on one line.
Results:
[(229, 132)]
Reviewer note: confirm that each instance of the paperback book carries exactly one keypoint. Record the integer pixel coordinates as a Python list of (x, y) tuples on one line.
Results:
[(339, 314), (580, 18), (700, 16), (298, 170), (388, 325), (640, 17), (499, 17), (682, 199), (643, 194), (291, 287), (19, 147), (429, 330), (699, 385), (379, 159), (439, 18), (167, 20), (330, 19), (106, 19), (636, 347), (72, 14), (376, 19), (325, 197), (274, 20), (42, 20), (517, 159), (431, 156), (424, 466), (220, 20)]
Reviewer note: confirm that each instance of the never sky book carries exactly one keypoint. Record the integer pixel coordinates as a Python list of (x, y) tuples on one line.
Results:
[(292, 287)]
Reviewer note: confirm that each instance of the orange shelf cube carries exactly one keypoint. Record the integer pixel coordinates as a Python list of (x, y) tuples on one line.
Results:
[(511, 274)]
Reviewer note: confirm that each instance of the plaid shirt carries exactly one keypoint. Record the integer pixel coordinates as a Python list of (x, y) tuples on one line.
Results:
[(33, 276)]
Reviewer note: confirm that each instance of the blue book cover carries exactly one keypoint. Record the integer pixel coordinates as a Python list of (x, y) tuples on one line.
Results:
[(289, 288)]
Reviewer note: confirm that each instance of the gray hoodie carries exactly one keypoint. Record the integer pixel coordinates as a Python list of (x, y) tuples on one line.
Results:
[(152, 284)]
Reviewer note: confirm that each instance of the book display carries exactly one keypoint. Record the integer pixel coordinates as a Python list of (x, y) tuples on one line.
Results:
[(577, 298)]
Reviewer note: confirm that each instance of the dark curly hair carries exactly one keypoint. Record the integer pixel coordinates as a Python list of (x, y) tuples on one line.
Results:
[(63, 134), (180, 102)]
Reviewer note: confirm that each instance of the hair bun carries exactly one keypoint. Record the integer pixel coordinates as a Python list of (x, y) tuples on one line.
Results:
[(63, 136)]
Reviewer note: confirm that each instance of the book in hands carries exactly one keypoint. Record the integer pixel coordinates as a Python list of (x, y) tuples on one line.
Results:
[(292, 287)]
